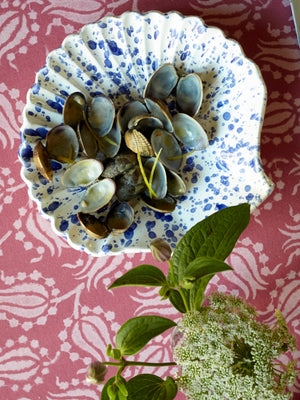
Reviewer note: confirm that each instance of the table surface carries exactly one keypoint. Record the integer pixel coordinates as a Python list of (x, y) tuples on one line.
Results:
[(56, 315)]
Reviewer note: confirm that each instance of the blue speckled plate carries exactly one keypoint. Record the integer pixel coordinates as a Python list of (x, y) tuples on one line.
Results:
[(116, 56)]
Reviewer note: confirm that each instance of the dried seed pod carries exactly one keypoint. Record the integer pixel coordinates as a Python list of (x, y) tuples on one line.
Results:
[(160, 250), (96, 373)]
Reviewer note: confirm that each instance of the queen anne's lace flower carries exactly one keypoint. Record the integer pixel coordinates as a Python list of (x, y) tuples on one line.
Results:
[(225, 353)]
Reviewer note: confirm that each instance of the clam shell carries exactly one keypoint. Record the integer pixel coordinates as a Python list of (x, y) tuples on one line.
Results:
[(145, 123), (161, 82), (109, 144), (138, 143), (159, 181), (82, 173), (120, 217), (161, 111), (101, 115), (62, 143), (165, 205), (189, 132), (171, 154), (128, 111), (93, 226), (175, 184), (87, 140), (98, 195), (42, 161), (74, 109), (189, 94)]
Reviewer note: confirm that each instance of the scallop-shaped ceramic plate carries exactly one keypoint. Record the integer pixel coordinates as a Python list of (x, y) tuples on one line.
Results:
[(116, 56)]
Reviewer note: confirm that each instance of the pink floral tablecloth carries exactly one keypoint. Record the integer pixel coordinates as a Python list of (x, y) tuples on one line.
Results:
[(56, 314)]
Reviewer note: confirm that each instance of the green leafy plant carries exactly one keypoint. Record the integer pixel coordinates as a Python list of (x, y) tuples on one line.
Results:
[(200, 254)]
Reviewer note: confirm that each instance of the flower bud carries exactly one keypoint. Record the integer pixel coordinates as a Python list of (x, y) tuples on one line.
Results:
[(160, 249), (113, 353), (96, 373)]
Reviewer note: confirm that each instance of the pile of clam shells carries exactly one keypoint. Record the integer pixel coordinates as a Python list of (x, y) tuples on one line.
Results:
[(120, 155)]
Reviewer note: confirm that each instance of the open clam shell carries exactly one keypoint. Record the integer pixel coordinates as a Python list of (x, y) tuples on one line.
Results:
[(128, 111), (87, 141), (82, 173), (62, 143), (162, 82), (171, 153), (101, 115), (145, 123), (93, 226), (120, 217), (42, 160), (161, 111), (74, 109), (175, 184), (189, 132), (165, 205), (189, 94), (98, 195), (159, 179), (110, 144)]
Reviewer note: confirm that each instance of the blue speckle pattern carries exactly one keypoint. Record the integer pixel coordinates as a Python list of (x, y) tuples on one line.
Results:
[(116, 56)]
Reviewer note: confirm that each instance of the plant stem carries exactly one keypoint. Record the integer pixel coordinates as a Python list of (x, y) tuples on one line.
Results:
[(138, 363), (141, 363), (184, 300), (151, 192), (172, 270), (179, 290)]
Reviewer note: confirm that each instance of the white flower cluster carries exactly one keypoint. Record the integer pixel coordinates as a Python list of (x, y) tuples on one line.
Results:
[(225, 353)]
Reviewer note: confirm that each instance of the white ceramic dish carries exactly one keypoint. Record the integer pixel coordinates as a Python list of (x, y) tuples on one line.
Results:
[(116, 56)]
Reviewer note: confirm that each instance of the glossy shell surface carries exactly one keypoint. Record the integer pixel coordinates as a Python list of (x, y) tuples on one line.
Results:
[(131, 47), (82, 173), (98, 195)]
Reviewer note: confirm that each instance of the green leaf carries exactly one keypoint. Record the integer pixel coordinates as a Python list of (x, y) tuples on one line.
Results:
[(104, 394), (151, 387), (203, 266), (113, 353), (143, 275), (214, 236), (138, 331), (115, 389), (196, 294), (176, 300)]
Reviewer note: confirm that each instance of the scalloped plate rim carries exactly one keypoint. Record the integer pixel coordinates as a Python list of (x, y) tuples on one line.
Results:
[(121, 17)]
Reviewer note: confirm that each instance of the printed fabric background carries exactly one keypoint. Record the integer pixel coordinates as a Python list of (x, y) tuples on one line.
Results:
[(56, 315)]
